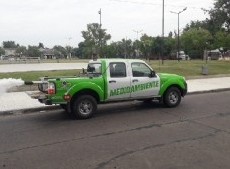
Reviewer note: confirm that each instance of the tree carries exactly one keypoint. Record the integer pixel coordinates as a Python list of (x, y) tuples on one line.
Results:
[(111, 51), (95, 38), (195, 41), (60, 51), (76, 52), (2, 51), (220, 14), (146, 45), (169, 45), (40, 45), (218, 20), (222, 39), (21, 50), (198, 24), (33, 51), (69, 51), (9, 44), (157, 46)]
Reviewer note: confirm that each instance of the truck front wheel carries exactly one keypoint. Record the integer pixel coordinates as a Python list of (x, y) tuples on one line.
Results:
[(172, 97), (84, 107)]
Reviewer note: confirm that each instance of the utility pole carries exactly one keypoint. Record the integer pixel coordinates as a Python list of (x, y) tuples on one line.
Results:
[(163, 32), (178, 36), (100, 42), (125, 47), (68, 46), (137, 32)]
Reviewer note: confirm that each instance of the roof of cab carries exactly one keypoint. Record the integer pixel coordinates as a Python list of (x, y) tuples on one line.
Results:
[(116, 60)]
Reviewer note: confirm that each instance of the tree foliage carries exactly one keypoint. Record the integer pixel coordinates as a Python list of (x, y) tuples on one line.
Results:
[(60, 51), (9, 44), (33, 51), (94, 39), (196, 40), (2, 51), (220, 14), (222, 39), (21, 50)]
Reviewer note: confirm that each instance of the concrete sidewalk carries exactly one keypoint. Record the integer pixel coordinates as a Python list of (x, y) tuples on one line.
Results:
[(20, 101)]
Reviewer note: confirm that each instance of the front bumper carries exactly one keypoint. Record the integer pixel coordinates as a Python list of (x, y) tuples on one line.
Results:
[(185, 90), (45, 100)]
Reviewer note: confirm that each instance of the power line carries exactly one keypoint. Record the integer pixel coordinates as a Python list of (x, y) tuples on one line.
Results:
[(156, 4)]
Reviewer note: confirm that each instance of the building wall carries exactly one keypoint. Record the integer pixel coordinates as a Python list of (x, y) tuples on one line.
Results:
[(10, 51)]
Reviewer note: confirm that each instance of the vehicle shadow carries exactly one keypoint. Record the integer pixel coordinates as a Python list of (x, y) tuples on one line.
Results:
[(104, 110), (127, 107)]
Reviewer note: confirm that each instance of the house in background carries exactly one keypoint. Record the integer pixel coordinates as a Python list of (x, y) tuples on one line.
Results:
[(47, 53), (10, 52)]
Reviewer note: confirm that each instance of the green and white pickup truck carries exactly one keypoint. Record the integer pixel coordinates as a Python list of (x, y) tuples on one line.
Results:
[(111, 80)]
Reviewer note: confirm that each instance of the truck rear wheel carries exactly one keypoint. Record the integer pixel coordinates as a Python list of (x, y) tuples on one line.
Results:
[(84, 107), (172, 97)]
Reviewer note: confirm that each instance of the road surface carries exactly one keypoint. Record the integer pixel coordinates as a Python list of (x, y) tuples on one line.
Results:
[(135, 135)]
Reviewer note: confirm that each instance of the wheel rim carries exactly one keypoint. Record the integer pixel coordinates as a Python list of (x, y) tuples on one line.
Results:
[(173, 97), (85, 107)]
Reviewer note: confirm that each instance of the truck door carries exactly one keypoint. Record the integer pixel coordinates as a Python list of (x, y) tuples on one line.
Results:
[(142, 84), (118, 81)]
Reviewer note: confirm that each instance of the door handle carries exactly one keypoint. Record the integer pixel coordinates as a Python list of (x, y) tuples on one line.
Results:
[(112, 81), (135, 80)]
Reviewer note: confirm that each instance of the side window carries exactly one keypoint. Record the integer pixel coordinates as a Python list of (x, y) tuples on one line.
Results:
[(117, 69), (94, 68), (140, 70)]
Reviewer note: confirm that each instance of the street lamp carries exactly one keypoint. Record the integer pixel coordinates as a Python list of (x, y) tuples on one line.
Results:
[(137, 32), (178, 36)]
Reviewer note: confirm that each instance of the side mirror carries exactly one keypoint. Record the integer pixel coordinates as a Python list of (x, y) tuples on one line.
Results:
[(153, 74)]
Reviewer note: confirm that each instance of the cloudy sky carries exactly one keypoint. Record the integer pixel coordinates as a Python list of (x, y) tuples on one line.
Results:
[(60, 22)]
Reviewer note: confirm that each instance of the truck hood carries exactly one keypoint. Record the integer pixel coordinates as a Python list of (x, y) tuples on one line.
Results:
[(166, 76)]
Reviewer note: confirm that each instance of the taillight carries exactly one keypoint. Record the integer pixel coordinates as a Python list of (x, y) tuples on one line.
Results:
[(51, 88), (66, 97)]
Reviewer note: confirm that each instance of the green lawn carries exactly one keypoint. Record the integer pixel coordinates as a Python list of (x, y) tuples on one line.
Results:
[(186, 68), (191, 68), (26, 76), (46, 61)]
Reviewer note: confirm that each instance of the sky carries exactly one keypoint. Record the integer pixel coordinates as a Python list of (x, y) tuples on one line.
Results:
[(60, 22)]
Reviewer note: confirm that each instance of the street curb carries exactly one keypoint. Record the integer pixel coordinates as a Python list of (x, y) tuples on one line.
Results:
[(57, 107), (29, 110), (209, 91), (207, 76)]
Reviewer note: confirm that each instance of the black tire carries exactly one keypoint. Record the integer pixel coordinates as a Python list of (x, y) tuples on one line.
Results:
[(172, 97), (83, 107)]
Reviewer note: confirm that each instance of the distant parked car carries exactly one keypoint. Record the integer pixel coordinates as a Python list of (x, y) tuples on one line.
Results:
[(214, 54), (183, 56)]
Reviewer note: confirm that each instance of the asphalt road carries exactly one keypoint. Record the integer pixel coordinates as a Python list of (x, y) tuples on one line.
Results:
[(195, 135)]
